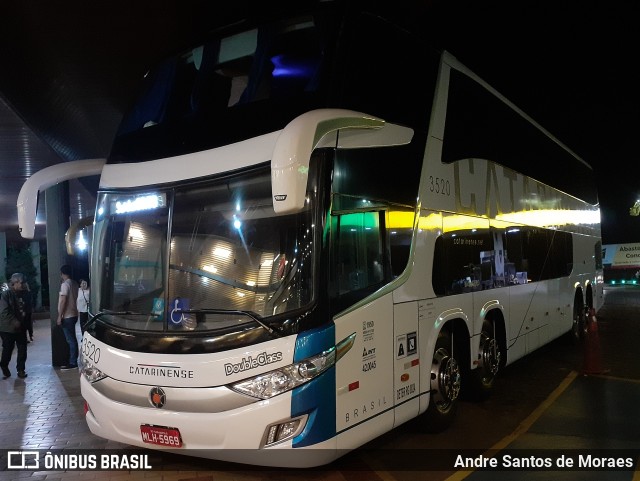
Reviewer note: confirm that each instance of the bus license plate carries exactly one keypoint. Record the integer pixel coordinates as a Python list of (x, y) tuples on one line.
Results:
[(161, 436)]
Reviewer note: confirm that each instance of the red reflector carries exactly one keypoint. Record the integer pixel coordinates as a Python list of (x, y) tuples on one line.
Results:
[(415, 362), (354, 385)]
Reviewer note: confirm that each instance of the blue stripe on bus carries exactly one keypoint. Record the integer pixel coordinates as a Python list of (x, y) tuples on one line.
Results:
[(315, 398)]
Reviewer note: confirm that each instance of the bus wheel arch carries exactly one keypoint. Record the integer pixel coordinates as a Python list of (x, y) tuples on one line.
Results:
[(449, 356)]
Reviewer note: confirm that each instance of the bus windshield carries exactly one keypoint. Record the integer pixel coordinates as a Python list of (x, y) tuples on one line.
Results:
[(206, 256)]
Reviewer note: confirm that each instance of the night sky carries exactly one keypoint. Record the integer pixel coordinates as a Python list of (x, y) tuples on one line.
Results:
[(574, 69)]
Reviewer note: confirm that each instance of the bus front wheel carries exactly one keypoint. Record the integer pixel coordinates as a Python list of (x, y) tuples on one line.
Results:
[(446, 380)]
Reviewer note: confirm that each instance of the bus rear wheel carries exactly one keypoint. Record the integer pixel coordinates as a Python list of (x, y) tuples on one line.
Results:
[(579, 326), (483, 377), (446, 381)]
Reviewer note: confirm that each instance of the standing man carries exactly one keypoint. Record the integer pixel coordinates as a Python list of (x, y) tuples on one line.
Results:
[(12, 328), (68, 314)]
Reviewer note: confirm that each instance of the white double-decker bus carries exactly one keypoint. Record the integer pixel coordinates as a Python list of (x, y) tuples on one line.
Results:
[(312, 228)]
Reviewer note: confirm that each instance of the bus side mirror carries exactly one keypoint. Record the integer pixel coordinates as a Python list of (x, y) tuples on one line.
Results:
[(291, 154), (72, 233)]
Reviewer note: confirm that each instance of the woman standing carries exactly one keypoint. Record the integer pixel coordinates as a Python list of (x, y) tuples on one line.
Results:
[(83, 303)]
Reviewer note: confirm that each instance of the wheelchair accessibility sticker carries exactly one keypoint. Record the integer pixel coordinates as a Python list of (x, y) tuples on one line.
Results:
[(179, 304)]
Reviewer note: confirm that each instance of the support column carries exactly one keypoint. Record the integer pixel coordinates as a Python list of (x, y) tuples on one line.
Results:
[(35, 253), (57, 211)]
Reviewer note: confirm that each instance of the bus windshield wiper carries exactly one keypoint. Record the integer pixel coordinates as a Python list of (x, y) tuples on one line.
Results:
[(122, 313), (107, 312), (252, 315)]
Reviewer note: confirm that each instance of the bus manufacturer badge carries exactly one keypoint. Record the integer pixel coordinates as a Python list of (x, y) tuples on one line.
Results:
[(157, 397)]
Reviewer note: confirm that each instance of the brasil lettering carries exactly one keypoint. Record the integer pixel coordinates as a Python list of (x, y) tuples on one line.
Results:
[(250, 362)]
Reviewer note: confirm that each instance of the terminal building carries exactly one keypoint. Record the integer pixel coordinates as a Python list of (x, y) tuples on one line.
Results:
[(621, 263)]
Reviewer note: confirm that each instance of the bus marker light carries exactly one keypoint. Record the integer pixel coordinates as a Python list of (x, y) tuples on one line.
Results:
[(410, 364), (279, 432)]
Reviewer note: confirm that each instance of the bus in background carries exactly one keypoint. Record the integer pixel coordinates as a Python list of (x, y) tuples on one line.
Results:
[(312, 228)]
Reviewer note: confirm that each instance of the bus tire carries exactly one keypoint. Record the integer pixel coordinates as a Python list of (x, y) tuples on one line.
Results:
[(579, 325), (446, 381), (483, 377)]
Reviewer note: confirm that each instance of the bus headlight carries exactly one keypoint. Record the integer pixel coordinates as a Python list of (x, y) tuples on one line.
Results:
[(278, 381)]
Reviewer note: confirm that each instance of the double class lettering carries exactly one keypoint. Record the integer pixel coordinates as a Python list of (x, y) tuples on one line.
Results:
[(252, 362)]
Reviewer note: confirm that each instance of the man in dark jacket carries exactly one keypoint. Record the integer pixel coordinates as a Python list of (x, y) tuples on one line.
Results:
[(12, 329)]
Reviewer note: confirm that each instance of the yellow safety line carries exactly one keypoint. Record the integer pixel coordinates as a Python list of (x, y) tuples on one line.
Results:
[(524, 426)]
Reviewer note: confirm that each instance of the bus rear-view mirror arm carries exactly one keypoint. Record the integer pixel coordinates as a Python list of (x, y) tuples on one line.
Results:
[(54, 174), (291, 154)]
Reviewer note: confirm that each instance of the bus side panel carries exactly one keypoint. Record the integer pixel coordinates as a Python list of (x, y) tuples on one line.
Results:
[(406, 376), (418, 285), (588, 269), (541, 321), (556, 307), (316, 397), (364, 376), (519, 322)]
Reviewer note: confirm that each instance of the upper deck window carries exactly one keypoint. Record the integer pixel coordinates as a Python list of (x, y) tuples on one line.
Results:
[(229, 88), (481, 126), (272, 60)]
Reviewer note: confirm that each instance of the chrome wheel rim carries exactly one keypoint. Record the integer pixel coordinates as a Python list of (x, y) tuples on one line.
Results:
[(445, 379), (491, 357)]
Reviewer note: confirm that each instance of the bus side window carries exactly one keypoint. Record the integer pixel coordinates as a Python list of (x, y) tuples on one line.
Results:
[(358, 265), (465, 261), (399, 254), (598, 255), (399, 242)]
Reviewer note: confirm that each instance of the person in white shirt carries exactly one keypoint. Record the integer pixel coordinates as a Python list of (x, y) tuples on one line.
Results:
[(83, 303), (68, 314)]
